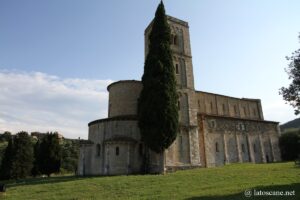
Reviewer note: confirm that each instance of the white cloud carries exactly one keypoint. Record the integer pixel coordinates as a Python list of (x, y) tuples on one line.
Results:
[(40, 102)]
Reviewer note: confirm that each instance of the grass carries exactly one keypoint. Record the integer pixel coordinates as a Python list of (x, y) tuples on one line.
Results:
[(226, 183)]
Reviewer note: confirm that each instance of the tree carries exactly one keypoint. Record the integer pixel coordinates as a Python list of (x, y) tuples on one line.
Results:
[(157, 105), (36, 164), (6, 136), (49, 154), (70, 154), (22, 162), (289, 144), (291, 94), (6, 163)]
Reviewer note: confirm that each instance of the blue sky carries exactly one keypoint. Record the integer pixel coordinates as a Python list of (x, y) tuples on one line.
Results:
[(57, 57)]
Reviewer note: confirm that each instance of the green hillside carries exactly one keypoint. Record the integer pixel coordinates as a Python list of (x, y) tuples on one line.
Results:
[(227, 182), (293, 124)]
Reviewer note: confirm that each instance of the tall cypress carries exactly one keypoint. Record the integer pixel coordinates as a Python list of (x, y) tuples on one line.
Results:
[(157, 105), (23, 159), (6, 164), (49, 154)]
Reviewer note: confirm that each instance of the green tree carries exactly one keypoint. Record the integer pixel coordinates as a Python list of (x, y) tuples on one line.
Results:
[(70, 154), (6, 136), (36, 164), (6, 163), (291, 94), (289, 144), (49, 154), (157, 105), (22, 162)]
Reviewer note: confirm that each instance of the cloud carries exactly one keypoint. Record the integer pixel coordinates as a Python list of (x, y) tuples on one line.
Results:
[(34, 101)]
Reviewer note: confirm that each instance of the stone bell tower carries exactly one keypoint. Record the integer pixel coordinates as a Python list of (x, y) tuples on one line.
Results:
[(185, 149)]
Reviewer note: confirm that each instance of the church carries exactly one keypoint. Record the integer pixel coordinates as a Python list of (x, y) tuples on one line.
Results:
[(214, 129)]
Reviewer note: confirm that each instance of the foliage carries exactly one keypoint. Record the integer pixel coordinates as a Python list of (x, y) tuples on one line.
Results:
[(70, 154), (6, 163), (224, 183), (5, 137), (291, 94), (289, 144), (293, 124), (49, 156), (36, 168), (157, 105), (3, 146), (23, 158)]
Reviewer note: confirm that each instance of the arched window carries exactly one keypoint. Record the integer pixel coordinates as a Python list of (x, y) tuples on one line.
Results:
[(176, 68), (117, 151), (175, 38), (178, 104), (98, 149), (211, 107), (243, 148), (217, 147)]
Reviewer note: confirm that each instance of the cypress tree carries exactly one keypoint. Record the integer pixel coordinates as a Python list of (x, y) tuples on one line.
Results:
[(50, 154), (23, 159), (6, 164), (157, 105), (36, 164)]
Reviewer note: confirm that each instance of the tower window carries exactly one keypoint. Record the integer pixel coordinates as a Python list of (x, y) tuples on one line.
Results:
[(178, 104), (175, 38), (198, 103), (211, 106), (176, 68), (117, 151), (98, 149)]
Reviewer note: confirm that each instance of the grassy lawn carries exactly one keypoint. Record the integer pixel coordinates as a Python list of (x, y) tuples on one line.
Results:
[(227, 182)]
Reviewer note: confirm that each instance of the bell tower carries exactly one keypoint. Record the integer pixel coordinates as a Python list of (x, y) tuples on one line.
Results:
[(183, 68)]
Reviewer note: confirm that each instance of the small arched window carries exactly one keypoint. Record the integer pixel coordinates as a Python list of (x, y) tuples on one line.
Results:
[(98, 149), (175, 38), (117, 151), (178, 105), (243, 148), (176, 68), (217, 147)]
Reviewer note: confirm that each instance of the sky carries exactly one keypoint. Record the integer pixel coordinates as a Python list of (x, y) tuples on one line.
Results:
[(58, 56)]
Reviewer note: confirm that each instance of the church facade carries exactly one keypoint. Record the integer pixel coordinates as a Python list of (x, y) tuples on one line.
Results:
[(214, 129)]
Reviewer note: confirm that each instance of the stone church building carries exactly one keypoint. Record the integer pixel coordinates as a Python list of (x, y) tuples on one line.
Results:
[(214, 129)]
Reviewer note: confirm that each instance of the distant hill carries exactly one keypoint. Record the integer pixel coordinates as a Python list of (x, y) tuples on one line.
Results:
[(293, 124)]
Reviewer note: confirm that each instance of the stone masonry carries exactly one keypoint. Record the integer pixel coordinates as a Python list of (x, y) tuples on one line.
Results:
[(214, 129)]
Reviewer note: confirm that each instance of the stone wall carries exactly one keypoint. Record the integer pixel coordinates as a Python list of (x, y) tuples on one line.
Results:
[(121, 150), (215, 104), (123, 96), (230, 140)]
